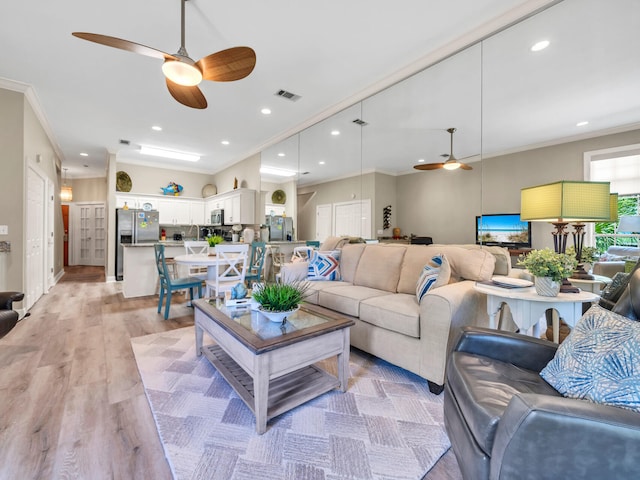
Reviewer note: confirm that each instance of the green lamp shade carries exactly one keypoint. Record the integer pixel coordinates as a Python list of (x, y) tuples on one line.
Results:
[(566, 201)]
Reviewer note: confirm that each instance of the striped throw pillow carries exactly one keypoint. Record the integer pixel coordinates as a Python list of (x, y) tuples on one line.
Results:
[(434, 274)]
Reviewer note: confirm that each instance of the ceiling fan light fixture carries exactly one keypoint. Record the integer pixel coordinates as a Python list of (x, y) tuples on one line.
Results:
[(182, 72), (453, 165)]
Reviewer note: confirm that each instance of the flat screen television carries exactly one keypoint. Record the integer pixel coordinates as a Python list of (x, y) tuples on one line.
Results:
[(503, 229)]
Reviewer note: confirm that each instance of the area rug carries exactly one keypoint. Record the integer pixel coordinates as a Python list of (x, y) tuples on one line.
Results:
[(386, 426)]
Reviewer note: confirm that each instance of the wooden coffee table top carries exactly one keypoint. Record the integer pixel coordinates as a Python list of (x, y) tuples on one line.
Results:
[(261, 335)]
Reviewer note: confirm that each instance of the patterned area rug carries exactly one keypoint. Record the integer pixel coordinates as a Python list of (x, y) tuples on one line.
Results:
[(386, 426)]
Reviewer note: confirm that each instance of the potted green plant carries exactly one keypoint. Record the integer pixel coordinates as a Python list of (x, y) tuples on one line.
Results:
[(587, 258), (549, 269), (214, 240), (278, 300)]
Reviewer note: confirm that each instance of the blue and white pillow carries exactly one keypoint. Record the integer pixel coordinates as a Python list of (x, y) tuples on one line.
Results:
[(324, 265), (599, 360), (434, 274)]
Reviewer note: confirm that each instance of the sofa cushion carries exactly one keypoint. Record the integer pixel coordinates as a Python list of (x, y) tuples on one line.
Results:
[(333, 243), (398, 312), (379, 267), (434, 274), (346, 299), (599, 360), (349, 259), (469, 264), (324, 266), (311, 295), (483, 387)]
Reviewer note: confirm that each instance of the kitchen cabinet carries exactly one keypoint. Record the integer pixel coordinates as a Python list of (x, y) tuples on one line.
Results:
[(239, 208), (174, 211)]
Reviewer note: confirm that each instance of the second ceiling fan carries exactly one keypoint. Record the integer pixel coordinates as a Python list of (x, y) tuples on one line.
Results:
[(452, 163), (182, 73)]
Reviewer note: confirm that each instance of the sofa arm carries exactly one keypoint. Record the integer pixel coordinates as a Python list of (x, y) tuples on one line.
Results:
[(294, 272), (608, 269), (520, 350), (7, 299), (570, 438)]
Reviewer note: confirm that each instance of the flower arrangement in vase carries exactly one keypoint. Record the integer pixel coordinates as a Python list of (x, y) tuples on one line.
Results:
[(549, 265)]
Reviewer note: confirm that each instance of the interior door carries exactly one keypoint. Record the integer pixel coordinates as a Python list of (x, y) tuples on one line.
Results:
[(353, 218), (323, 222), (35, 241), (88, 239)]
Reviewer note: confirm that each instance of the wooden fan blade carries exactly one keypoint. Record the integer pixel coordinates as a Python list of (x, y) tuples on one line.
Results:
[(428, 166), (189, 96), (464, 166), (228, 65), (124, 45)]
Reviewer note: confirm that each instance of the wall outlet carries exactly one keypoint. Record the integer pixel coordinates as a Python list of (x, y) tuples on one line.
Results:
[(380, 232), (4, 229)]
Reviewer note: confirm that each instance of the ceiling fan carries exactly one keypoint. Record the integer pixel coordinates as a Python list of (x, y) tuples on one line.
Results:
[(183, 74), (452, 163)]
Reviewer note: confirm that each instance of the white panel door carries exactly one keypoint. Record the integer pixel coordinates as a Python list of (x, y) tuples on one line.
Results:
[(89, 234), (323, 222), (352, 218), (35, 245)]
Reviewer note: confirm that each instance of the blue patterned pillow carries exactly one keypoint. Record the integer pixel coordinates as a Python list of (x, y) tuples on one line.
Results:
[(324, 265), (599, 360), (434, 274)]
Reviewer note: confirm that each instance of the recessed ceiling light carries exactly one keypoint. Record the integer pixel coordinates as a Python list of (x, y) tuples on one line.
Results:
[(84, 154), (281, 154), (582, 124), (266, 111), (335, 132), (321, 162), (225, 142), (157, 128), (541, 45), (421, 160)]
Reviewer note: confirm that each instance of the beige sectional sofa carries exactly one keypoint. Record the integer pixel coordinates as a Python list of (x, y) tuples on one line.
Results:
[(378, 289)]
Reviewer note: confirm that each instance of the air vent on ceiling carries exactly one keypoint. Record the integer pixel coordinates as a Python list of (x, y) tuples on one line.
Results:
[(288, 95), (124, 142), (360, 122)]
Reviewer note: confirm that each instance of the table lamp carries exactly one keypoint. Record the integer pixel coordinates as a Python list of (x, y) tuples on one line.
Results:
[(629, 224), (564, 202)]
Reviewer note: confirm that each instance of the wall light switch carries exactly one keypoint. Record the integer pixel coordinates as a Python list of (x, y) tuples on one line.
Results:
[(4, 229), (380, 232)]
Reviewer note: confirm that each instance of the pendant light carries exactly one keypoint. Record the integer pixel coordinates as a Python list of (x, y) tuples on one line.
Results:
[(66, 193)]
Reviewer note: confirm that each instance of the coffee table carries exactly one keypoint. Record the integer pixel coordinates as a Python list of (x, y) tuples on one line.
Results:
[(271, 365)]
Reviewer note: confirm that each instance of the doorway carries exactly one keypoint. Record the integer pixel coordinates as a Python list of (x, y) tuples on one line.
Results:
[(88, 234), (65, 221)]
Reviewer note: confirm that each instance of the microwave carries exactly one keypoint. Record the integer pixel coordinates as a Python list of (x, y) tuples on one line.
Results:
[(217, 217)]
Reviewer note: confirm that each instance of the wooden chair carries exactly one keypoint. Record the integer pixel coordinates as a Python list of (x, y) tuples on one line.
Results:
[(232, 268), (168, 285), (197, 247), (256, 263)]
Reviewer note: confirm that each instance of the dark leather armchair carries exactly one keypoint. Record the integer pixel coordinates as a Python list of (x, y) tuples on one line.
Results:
[(8, 317), (505, 422)]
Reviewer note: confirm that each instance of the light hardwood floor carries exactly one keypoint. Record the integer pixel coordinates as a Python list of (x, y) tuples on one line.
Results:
[(72, 404)]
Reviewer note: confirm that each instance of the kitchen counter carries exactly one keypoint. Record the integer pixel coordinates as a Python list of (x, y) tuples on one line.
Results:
[(140, 275)]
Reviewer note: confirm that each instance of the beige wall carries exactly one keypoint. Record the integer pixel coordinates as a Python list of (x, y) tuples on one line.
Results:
[(23, 142), (248, 174), (12, 191), (146, 179), (89, 189)]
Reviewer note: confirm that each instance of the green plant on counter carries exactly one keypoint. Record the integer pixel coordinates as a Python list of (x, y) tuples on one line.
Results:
[(547, 263), (589, 254), (279, 297), (214, 240)]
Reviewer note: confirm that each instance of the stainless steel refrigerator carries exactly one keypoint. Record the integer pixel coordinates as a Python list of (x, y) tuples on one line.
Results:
[(280, 228), (134, 226)]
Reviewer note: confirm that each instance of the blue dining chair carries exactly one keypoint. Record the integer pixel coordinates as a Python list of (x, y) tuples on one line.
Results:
[(168, 285), (256, 263)]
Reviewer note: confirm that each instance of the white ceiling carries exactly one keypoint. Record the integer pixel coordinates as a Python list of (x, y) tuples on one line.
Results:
[(332, 53)]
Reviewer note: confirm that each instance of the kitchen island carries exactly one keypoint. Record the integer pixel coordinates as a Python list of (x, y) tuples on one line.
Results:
[(140, 275)]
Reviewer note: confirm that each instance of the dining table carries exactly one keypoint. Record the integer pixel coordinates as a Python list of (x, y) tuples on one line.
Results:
[(200, 259)]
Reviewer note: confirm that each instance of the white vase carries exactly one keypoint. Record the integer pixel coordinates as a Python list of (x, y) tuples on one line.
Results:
[(547, 287), (277, 316)]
